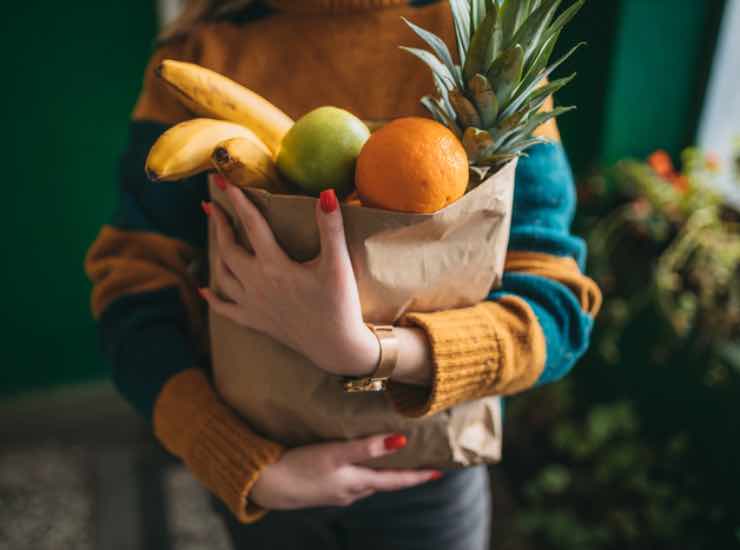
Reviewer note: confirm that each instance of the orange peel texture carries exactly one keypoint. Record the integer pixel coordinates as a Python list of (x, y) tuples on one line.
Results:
[(412, 165)]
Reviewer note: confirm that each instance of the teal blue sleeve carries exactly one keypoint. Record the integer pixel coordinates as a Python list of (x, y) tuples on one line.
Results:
[(544, 205)]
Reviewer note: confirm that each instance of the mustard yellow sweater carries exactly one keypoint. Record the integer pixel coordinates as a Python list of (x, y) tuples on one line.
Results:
[(302, 54)]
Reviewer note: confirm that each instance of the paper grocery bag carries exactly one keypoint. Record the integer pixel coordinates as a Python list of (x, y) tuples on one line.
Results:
[(403, 262)]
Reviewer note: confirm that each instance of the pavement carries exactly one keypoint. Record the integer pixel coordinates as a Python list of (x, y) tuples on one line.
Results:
[(79, 470)]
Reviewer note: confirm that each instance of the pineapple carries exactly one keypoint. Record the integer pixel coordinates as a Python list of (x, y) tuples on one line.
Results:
[(492, 99)]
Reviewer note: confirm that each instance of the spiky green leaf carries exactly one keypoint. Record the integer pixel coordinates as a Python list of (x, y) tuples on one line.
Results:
[(506, 72), (479, 46), (505, 129), (476, 142), (439, 70), (461, 19), (530, 33), (533, 122), (436, 108), (522, 95), (485, 99), (494, 45), (511, 122), (466, 112), (438, 47), (519, 147), (563, 19), (507, 15), (525, 8), (540, 95), (498, 158), (539, 63), (477, 14)]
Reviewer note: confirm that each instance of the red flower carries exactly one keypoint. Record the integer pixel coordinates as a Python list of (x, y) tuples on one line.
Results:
[(661, 162), (679, 182)]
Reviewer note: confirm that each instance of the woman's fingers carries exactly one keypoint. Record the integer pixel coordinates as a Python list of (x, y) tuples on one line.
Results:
[(331, 231), (260, 235), (232, 253), (226, 281), (395, 480), (360, 450), (223, 308)]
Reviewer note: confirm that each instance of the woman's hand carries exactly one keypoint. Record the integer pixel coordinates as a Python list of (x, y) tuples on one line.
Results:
[(312, 307), (326, 475)]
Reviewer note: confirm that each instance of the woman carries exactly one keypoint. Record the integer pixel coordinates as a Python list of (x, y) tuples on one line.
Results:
[(302, 54)]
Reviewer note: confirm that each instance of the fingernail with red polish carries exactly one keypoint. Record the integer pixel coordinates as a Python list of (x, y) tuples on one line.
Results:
[(206, 206), (437, 475), (395, 442), (220, 181), (328, 200), (202, 292)]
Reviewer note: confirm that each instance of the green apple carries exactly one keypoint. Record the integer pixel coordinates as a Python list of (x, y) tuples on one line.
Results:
[(321, 149)]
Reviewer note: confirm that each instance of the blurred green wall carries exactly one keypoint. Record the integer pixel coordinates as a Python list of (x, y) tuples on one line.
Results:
[(73, 70), (641, 78), (663, 54)]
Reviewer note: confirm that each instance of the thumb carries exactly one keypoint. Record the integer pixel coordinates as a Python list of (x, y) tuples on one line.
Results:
[(331, 229)]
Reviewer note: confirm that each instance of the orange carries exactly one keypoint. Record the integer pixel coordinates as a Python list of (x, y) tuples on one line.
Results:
[(411, 165)]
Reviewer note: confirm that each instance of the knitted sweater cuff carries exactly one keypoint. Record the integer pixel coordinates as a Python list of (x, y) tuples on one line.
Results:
[(221, 452), (466, 352)]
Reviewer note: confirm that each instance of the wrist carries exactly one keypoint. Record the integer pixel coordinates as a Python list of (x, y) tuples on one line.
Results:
[(415, 363), (260, 493), (359, 356)]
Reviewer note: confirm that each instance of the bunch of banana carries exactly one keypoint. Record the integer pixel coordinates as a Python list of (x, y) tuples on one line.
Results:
[(240, 138)]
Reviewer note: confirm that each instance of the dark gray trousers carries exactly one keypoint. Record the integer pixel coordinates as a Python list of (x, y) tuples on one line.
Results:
[(452, 513)]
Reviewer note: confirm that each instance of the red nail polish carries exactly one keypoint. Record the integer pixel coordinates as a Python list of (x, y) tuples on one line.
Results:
[(202, 292), (436, 475), (395, 442), (328, 200), (220, 181), (206, 206)]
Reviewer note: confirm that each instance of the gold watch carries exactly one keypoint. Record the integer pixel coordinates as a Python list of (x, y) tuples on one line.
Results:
[(378, 380)]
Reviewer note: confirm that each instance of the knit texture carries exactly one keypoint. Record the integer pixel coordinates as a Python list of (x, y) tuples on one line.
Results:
[(493, 348), (194, 425), (135, 262)]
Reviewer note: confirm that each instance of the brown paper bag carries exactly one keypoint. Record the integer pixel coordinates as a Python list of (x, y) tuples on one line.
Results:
[(403, 262)]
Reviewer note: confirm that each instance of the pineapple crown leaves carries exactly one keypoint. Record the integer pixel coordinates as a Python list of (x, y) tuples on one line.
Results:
[(492, 99)]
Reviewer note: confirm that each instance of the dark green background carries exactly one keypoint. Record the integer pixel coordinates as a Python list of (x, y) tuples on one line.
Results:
[(72, 72)]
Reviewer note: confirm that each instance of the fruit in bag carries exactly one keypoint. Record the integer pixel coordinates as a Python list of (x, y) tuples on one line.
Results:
[(321, 149), (412, 165)]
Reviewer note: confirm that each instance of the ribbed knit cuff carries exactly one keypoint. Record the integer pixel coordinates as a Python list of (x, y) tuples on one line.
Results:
[(466, 351), (219, 449)]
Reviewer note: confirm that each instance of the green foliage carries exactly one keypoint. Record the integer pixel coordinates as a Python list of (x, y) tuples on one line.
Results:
[(640, 447)]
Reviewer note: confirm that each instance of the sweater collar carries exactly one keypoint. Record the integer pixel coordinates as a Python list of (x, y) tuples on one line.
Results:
[(337, 6)]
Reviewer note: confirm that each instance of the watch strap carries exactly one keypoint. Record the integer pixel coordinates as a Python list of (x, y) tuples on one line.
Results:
[(389, 349)]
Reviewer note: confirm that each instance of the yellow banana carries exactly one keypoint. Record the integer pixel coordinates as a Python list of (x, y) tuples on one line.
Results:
[(246, 163), (208, 93), (185, 149)]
